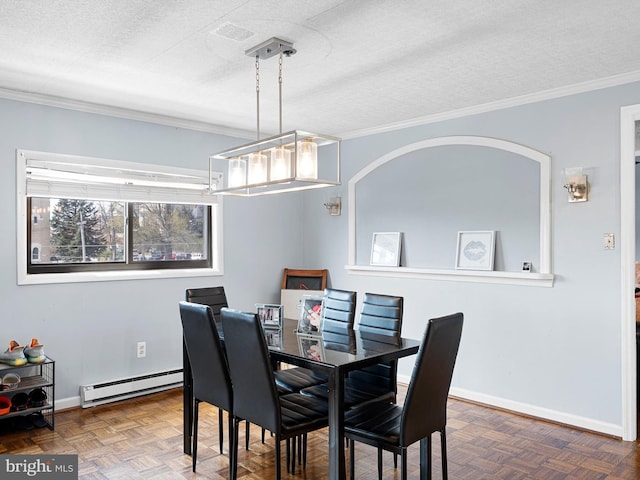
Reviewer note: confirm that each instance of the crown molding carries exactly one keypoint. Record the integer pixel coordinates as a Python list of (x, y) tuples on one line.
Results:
[(550, 94), (120, 112), (167, 120)]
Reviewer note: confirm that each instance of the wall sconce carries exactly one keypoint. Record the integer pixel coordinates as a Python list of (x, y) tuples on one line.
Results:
[(334, 205), (576, 184)]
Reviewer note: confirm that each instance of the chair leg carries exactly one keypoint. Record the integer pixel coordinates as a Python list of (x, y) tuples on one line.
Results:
[(233, 455), (395, 460), (403, 467), (304, 451), (423, 459), (194, 448), (288, 452), (429, 457), (220, 429), (443, 443), (379, 464), (300, 442), (352, 460), (293, 455), (246, 435), (262, 434), (232, 437), (278, 456)]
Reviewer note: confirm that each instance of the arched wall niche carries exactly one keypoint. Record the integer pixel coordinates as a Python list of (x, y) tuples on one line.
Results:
[(431, 189)]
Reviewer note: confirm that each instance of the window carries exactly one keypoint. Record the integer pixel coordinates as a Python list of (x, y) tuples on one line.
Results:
[(108, 220)]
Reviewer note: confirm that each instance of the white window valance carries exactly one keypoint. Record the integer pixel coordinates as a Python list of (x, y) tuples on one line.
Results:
[(69, 176)]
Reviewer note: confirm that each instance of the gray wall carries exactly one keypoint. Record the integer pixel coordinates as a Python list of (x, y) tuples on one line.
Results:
[(553, 349), (91, 329), (544, 349), (431, 194)]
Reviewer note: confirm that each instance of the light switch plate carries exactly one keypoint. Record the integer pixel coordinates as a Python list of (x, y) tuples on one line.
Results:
[(609, 241)]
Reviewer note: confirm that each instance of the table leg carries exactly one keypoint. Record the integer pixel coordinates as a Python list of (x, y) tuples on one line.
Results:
[(336, 425), (187, 401)]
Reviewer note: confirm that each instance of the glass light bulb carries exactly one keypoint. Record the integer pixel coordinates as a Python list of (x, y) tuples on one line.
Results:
[(307, 161), (237, 172), (280, 163), (257, 163)]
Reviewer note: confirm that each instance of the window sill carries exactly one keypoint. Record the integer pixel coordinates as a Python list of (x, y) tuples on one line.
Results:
[(475, 276), (110, 276)]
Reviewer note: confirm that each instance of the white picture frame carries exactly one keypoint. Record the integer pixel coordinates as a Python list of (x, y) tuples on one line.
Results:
[(310, 319), (385, 249), (311, 347), (270, 315), (476, 250)]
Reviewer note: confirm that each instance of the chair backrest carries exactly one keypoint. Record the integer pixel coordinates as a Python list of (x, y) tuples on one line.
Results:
[(338, 316), (425, 406), (254, 390), (381, 318), (212, 296), (380, 323), (211, 380)]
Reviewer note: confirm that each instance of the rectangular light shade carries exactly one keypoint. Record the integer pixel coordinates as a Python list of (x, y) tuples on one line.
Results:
[(295, 161)]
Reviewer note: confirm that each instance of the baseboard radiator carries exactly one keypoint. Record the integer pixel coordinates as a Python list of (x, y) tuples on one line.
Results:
[(112, 391)]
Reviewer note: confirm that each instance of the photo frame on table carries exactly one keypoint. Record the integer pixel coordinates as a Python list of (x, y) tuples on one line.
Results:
[(476, 250), (273, 338), (310, 319), (385, 249), (311, 347), (270, 315)]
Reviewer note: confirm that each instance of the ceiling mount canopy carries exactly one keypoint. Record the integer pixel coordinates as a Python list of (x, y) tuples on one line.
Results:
[(271, 47), (291, 161)]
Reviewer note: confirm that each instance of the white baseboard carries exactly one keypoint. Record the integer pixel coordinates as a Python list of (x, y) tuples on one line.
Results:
[(69, 402), (532, 410), (539, 412)]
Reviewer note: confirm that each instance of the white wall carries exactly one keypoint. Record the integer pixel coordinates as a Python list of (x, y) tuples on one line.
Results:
[(91, 329), (552, 352)]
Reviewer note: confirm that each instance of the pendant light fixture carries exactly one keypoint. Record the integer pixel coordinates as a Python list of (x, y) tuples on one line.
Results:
[(291, 161)]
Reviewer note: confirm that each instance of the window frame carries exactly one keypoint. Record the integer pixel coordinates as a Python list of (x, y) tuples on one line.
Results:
[(109, 271)]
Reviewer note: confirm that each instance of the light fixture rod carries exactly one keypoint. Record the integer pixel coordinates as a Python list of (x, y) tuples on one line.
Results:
[(257, 97), (280, 87), (271, 47)]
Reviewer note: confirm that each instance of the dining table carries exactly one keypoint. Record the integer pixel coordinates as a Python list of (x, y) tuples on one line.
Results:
[(290, 348)]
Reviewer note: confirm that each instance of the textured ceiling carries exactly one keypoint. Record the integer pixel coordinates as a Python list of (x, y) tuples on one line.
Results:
[(361, 64)]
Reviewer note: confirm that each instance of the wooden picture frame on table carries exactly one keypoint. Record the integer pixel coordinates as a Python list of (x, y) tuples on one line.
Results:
[(294, 279)]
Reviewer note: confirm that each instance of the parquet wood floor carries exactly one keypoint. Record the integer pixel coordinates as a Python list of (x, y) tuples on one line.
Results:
[(142, 439)]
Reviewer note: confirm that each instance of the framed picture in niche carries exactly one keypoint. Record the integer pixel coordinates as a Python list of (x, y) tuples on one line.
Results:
[(385, 249), (476, 250)]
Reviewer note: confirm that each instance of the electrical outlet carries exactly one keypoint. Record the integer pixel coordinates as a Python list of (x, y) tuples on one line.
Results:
[(609, 241), (141, 349)]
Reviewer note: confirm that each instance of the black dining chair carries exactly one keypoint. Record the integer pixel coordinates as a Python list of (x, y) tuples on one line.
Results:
[(393, 427), (336, 329), (380, 324), (216, 298), (256, 396), (211, 380)]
